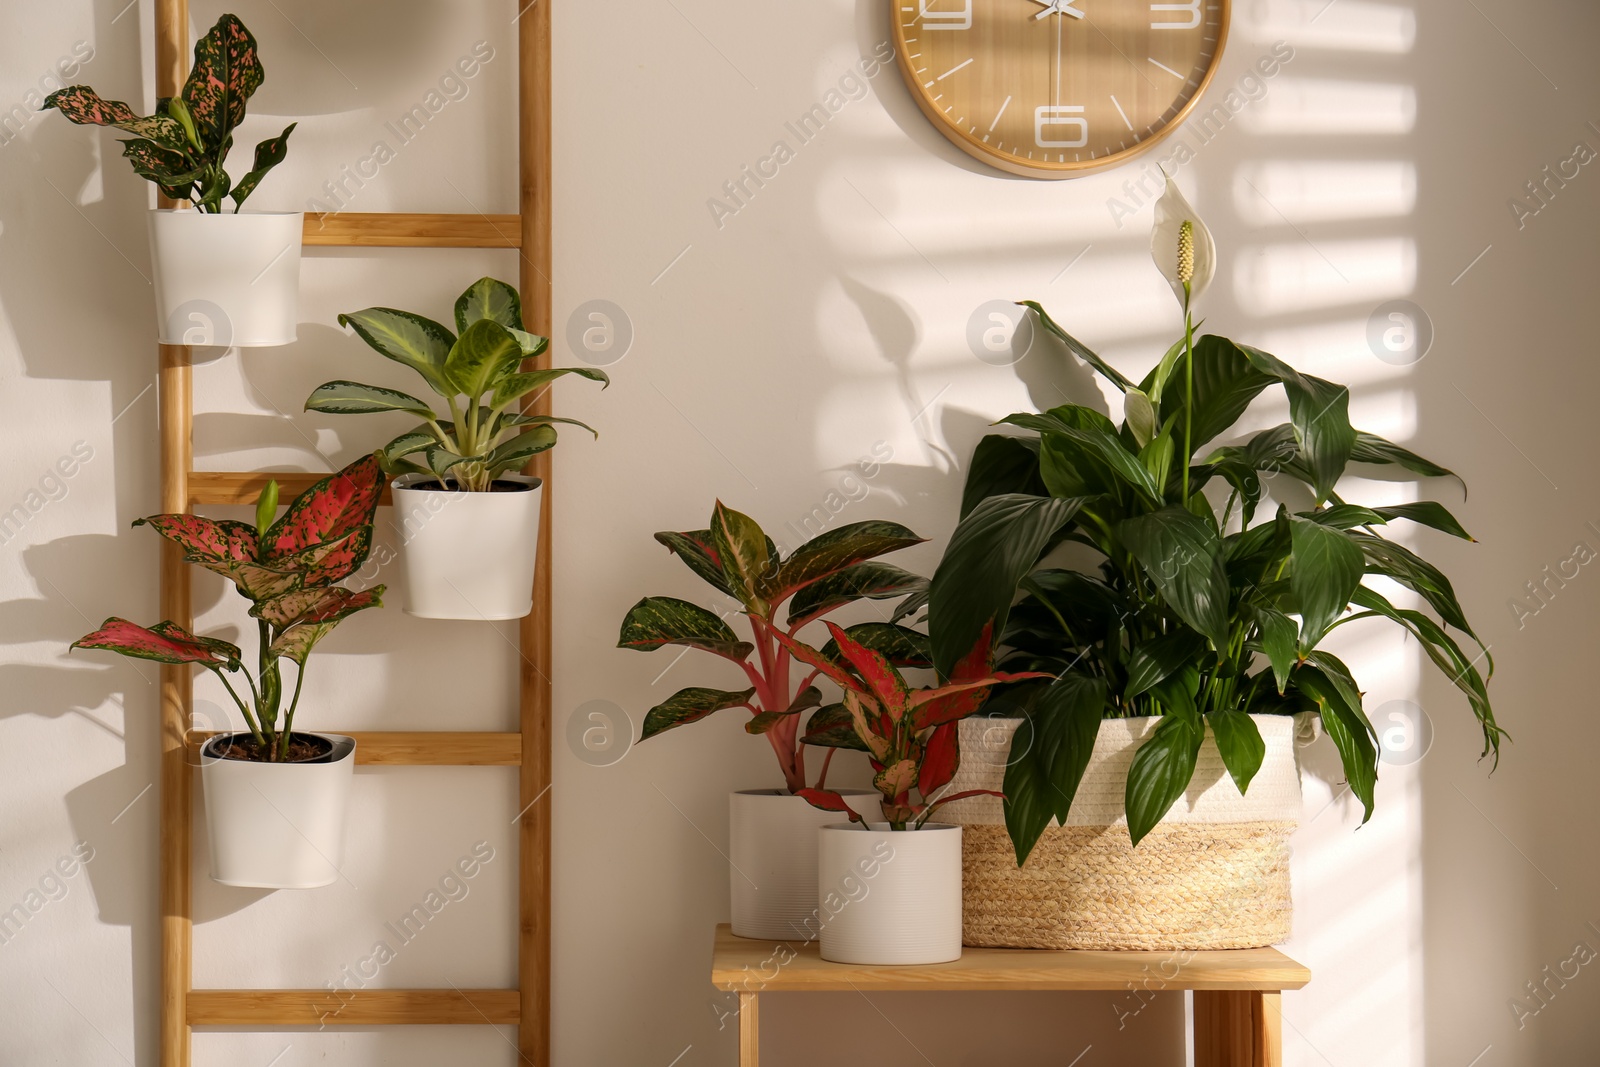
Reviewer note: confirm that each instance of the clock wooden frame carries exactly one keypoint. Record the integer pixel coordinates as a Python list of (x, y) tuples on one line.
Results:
[(974, 145)]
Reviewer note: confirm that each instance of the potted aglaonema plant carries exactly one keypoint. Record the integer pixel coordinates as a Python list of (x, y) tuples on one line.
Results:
[(468, 518), (772, 874), (222, 278), (890, 888), (1152, 788), (275, 796)]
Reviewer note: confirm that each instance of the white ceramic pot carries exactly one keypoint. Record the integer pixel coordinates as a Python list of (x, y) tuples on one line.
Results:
[(468, 555), (277, 825), (772, 853), (890, 896), (226, 280)]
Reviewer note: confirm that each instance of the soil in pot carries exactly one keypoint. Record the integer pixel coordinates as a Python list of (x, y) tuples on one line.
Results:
[(242, 748)]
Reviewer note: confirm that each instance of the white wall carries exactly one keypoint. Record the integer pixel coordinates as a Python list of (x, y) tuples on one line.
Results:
[(826, 318)]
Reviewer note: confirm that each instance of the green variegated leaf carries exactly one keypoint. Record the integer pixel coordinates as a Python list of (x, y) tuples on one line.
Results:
[(480, 357), (833, 727), (741, 548), (699, 554), (873, 580), (83, 105), (412, 340), (660, 620), (227, 71), (489, 299), (760, 724), (510, 420), (516, 386), (515, 453), (532, 344), (833, 551), (690, 705), (353, 398), (269, 154)]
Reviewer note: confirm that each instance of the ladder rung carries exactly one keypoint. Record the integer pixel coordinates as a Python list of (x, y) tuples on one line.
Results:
[(396, 230), (419, 749), (242, 487), (360, 1007)]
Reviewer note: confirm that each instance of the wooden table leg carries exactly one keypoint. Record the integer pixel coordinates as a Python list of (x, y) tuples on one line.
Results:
[(749, 1031), (1238, 1029)]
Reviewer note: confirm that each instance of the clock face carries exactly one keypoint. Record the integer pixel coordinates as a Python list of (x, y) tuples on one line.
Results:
[(1056, 88)]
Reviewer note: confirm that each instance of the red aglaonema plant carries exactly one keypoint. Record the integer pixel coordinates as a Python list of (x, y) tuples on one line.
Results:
[(910, 735), (288, 570), (736, 557)]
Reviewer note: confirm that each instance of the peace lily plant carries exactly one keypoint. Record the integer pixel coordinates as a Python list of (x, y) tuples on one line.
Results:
[(1194, 612)]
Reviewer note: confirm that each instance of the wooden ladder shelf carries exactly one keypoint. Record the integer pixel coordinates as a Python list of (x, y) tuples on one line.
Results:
[(528, 1006)]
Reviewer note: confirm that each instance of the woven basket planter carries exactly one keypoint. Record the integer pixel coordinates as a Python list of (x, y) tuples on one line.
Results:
[(1213, 875)]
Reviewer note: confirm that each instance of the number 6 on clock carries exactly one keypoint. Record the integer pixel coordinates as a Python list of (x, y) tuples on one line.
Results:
[(1068, 115)]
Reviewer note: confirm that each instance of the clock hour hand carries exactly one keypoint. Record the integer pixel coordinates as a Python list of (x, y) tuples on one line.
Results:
[(1058, 7)]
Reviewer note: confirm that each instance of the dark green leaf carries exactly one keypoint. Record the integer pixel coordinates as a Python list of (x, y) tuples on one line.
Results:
[(1049, 753), (1349, 730), (1077, 347), (661, 620), (831, 552), (833, 727), (1279, 641), (1154, 660), (1415, 573), (1183, 556), (1370, 448), (873, 580), (1160, 773), (699, 554), (1325, 568), (992, 549), (269, 154), (690, 705), (1239, 741), (1002, 464)]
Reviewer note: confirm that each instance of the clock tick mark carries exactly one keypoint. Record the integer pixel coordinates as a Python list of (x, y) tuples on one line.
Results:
[(952, 70)]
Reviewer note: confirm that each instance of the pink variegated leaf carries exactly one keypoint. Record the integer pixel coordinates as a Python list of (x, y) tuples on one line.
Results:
[(885, 682), (896, 779), (828, 800), (331, 522), (165, 642), (940, 761), (319, 621), (812, 658), (227, 70), (84, 106), (953, 702), (315, 605), (206, 541)]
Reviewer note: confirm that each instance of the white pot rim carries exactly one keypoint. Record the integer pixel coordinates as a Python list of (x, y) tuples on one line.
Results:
[(222, 214), (796, 796), (885, 828), (408, 483), (344, 748)]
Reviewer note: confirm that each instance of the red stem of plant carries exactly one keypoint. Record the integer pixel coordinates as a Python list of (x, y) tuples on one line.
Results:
[(822, 778)]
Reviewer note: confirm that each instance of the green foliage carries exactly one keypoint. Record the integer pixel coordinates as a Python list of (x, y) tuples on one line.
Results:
[(480, 376), (183, 147), (1195, 611)]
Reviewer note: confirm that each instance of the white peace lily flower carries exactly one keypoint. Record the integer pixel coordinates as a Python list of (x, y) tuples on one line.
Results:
[(1182, 246)]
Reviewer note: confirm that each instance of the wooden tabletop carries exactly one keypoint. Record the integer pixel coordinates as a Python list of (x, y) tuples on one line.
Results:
[(751, 966)]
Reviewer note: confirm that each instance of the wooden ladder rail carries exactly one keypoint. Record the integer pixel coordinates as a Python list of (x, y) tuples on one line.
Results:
[(528, 1006)]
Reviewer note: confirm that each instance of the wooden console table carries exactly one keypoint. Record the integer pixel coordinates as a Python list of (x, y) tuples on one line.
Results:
[(1237, 1003)]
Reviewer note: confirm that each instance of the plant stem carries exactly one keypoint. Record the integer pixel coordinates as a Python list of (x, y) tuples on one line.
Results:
[(288, 718), (822, 777), (249, 718), (1188, 391)]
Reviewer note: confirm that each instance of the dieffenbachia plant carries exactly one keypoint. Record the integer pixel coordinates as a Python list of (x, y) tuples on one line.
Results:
[(1196, 612), (479, 374), (738, 559), (910, 735), (288, 569), (183, 147)]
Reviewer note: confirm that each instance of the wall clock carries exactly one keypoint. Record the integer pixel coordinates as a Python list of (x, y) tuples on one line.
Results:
[(1057, 88)]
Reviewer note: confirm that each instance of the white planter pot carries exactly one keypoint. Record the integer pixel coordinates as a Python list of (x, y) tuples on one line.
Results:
[(890, 896), (226, 280), (277, 825), (1214, 874), (468, 555), (772, 852)]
